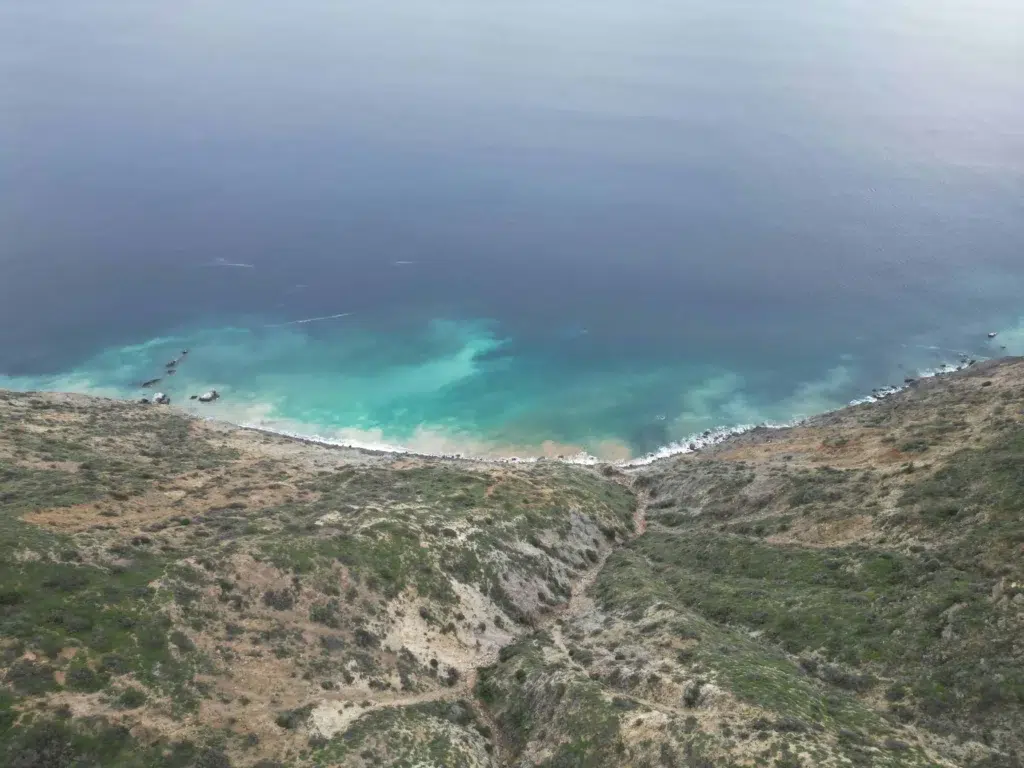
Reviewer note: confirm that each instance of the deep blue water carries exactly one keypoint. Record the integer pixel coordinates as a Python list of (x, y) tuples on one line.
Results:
[(600, 224)]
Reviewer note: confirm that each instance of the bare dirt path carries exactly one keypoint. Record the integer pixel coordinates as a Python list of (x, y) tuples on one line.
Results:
[(579, 605), (399, 698), (580, 601), (640, 515)]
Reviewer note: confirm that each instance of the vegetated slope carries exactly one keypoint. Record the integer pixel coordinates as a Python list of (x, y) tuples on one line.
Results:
[(847, 592), (180, 593)]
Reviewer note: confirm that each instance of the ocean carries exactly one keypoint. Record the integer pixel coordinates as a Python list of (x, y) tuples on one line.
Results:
[(508, 228)]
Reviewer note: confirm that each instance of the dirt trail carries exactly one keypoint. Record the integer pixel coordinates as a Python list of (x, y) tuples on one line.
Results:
[(580, 604), (401, 698), (640, 515)]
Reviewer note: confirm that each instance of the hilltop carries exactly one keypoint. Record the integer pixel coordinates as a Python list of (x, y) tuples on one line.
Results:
[(178, 592)]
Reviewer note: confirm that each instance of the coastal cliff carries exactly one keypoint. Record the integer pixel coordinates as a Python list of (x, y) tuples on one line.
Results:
[(850, 591)]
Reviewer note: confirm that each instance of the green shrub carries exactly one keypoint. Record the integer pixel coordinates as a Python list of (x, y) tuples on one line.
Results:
[(326, 614), (131, 698), (290, 719), (279, 600), (81, 678), (28, 677)]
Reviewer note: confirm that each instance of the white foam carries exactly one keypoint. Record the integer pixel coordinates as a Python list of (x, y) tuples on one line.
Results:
[(720, 434), (959, 352), (435, 442), (723, 395), (223, 263), (693, 443), (425, 442), (308, 320)]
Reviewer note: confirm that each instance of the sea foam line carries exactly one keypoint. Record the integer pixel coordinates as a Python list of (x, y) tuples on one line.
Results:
[(222, 263), (386, 447), (308, 320), (693, 443), (720, 434), (688, 445)]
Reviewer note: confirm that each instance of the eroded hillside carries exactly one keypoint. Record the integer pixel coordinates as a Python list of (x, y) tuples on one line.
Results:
[(848, 592)]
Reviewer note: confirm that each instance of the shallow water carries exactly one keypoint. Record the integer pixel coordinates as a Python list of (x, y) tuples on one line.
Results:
[(527, 227)]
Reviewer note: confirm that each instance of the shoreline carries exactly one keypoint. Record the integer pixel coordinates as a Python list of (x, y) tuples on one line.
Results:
[(691, 444)]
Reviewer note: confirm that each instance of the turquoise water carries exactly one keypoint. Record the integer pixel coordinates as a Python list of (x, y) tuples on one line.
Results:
[(512, 228), (458, 388)]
